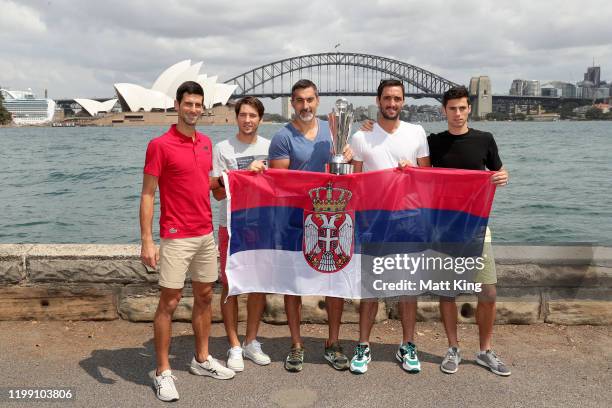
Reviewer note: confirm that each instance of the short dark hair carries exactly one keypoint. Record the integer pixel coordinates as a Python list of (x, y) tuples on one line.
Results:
[(389, 82), (303, 84), (456, 92), (190, 87), (251, 101)]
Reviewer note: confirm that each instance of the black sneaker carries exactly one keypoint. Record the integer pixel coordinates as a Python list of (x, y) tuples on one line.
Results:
[(336, 357), (295, 359)]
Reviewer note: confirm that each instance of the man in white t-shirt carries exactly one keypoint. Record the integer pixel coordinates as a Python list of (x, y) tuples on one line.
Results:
[(390, 143), (245, 151)]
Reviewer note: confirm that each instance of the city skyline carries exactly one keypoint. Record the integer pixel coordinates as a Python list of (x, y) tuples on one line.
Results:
[(78, 49)]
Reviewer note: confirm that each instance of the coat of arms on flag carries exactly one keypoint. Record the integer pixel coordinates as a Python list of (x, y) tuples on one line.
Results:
[(328, 229)]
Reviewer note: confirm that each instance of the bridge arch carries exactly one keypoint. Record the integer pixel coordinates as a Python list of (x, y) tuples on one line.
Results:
[(263, 80)]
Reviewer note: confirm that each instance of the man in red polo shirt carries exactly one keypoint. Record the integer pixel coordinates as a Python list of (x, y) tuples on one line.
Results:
[(179, 162)]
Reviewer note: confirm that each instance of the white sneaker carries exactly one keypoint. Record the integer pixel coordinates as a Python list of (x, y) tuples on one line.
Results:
[(253, 352), (212, 368), (234, 359), (164, 385)]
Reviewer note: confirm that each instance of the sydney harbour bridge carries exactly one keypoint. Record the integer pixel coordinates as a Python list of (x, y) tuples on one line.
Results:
[(338, 74), (357, 74)]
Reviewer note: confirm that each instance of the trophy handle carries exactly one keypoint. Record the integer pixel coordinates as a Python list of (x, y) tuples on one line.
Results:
[(331, 120)]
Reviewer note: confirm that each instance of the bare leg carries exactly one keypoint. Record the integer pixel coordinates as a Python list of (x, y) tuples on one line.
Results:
[(201, 317), (485, 315), (408, 308), (229, 311), (367, 314), (293, 310), (448, 313), (162, 326), (334, 307), (256, 303)]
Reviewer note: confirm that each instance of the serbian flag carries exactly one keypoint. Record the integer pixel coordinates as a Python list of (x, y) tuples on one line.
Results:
[(305, 233)]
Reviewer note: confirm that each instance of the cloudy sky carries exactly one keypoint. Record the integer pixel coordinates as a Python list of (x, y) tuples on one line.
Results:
[(80, 48)]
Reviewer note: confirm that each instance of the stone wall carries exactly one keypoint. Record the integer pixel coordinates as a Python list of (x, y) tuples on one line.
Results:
[(553, 284), (218, 115)]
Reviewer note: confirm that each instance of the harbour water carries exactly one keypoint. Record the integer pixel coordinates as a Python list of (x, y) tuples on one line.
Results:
[(82, 185)]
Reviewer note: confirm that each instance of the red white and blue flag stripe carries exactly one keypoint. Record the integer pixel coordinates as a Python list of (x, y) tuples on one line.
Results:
[(272, 251)]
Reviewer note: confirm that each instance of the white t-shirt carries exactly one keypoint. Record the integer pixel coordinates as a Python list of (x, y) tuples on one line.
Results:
[(381, 150), (232, 154)]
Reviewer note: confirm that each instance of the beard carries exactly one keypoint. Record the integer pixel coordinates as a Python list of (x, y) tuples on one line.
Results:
[(248, 131), (389, 117), (190, 120), (306, 116)]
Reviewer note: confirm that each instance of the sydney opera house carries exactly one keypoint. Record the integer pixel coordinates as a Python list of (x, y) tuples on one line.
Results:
[(141, 105), (160, 97), (93, 108)]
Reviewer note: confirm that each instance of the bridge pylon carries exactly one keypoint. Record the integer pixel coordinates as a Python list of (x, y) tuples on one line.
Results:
[(481, 96)]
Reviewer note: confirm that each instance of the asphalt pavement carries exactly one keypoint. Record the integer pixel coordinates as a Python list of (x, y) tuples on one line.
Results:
[(109, 364)]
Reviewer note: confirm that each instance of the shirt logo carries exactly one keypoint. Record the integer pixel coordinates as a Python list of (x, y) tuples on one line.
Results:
[(173, 230)]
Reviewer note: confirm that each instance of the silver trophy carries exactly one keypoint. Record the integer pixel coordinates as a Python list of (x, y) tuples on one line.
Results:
[(340, 123)]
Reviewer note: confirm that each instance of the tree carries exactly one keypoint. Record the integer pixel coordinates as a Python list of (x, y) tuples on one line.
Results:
[(497, 116), (594, 114), (5, 116), (273, 117), (566, 110)]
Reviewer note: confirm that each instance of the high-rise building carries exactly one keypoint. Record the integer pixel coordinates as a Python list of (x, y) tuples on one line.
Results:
[(549, 90), (593, 75), (564, 89), (518, 87), (525, 87), (533, 88)]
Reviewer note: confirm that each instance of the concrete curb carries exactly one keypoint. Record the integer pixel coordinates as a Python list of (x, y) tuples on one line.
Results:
[(555, 284)]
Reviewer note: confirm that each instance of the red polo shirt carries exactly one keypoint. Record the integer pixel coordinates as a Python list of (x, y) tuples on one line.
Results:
[(182, 167)]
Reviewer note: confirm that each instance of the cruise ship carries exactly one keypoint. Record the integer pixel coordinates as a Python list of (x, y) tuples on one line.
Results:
[(26, 108)]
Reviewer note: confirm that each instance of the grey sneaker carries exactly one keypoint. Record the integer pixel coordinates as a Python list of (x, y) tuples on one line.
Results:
[(295, 359), (490, 360), (451, 361), (164, 386), (336, 357)]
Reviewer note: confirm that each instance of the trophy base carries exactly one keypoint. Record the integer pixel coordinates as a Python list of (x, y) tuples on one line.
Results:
[(340, 168)]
